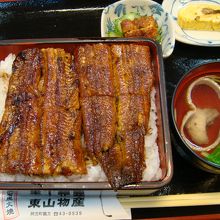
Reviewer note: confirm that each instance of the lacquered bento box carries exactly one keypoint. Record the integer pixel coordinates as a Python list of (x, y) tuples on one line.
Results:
[(163, 139)]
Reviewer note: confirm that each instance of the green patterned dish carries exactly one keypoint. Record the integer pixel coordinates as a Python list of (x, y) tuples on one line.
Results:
[(113, 14)]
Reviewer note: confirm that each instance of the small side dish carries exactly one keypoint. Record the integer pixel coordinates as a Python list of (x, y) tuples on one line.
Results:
[(144, 26), (195, 22), (135, 25), (199, 17), (196, 111), (140, 18)]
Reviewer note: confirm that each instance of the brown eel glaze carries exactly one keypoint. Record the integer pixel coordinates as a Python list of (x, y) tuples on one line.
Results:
[(19, 129), (134, 80), (114, 128), (105, 90), (61, 120), (41, 126)]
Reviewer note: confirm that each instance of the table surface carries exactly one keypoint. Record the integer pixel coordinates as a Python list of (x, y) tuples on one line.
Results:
[(46, 19)]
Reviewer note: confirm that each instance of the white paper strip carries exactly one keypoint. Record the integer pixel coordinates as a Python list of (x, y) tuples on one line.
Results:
[(171, 200), (21, 205)]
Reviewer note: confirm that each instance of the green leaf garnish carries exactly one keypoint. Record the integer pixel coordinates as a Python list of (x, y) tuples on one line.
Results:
[(214, 156)]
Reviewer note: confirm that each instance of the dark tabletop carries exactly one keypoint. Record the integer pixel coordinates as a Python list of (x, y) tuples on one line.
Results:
[(45, 19)]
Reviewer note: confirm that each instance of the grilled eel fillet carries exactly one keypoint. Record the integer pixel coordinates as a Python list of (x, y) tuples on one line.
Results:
[(97, 98), (19, 129), (115, 107), (41, 126)]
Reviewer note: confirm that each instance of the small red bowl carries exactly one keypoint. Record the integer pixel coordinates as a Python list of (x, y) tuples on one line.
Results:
[(179, 109)]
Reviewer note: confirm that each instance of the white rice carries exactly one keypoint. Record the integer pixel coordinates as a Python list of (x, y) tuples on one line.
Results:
[(153, 171), (94, 173), (5, 73)]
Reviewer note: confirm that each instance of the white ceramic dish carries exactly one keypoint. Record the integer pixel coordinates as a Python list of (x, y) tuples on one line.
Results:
[(143, 8), (201, 38)]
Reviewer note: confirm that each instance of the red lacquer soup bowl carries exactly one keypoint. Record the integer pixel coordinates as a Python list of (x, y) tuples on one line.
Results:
[(196, 116)]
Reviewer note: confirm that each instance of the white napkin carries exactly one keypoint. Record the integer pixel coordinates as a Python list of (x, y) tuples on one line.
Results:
[(79, 204)]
